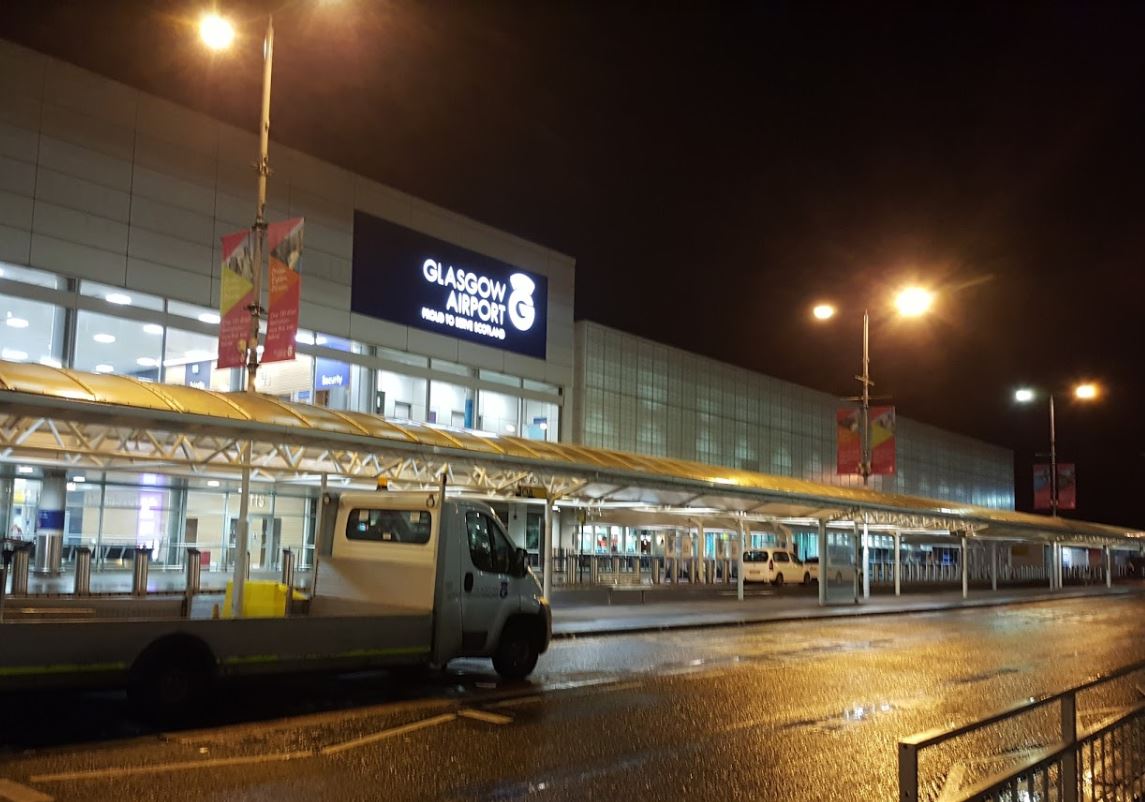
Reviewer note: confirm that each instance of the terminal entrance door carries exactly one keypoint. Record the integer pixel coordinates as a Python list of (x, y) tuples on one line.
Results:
[(264, 542)]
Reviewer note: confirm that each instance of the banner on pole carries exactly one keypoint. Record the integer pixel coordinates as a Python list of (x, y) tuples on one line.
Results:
[(848, 440), (1043, 489), (1067, 486), (882, 440), (236, 295), (284, 243)]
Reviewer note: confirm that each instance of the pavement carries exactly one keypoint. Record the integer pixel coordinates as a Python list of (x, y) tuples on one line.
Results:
[(572, 618)]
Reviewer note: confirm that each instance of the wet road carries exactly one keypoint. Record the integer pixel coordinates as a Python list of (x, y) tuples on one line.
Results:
[(782, 711)]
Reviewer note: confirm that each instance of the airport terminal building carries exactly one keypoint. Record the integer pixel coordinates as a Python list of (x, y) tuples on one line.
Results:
[(112, 206)]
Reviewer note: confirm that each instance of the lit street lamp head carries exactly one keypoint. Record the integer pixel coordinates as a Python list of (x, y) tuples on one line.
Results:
[(216, 32), (823, 311), (1024, 395), (1086, 392), (914, 301)]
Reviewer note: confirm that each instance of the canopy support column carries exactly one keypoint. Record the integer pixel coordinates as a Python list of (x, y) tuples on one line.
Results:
[(1108, 567), (739, 563), (965, 574), (547, 565), (898, 563), (823, 562), (994, 565)]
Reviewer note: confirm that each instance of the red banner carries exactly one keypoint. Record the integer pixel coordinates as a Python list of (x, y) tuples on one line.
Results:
[(882, 440), (236, 295), (848, 440), (284, 242), (1067, 486)]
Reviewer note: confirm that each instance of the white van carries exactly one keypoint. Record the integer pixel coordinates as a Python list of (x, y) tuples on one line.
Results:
[(777, 566)]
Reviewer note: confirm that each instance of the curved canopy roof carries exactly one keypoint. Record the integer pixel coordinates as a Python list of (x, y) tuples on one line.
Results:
[(172, 423)]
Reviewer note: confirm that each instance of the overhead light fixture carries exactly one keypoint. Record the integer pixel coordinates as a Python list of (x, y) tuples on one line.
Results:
[(118, 298), (17, 322), (14, 354), (212, 483), (1024, 395), (79, 479), (51, 362), (147, 362), (105, 368), (152, 328), (304, 338), (823, 311), (24, 469), (319, 339), (106, 339), (510, 428), (209, 317)]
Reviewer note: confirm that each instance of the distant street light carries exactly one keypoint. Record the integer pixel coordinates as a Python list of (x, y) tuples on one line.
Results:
[(1086, 391), (823, 311), (216, 32), (914, 301)]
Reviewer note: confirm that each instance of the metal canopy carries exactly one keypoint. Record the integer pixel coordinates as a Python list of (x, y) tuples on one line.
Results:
[(75, 419)]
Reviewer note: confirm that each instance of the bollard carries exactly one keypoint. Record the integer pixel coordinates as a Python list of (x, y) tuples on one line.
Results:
[(288, 568), (727, 571), (194, 572), (20, 572), (83, 571), (140, 566), (594, 571), (615, 567), (655, 567)]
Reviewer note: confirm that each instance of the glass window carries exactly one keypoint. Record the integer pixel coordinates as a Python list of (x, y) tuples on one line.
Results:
[(541, 420), (755, 557), (499, 378), (201, 313), (498, 412), (400, 397), (26, 275), (450, 367), (190, 360), (781, 557), (107, 344), (32, 331), (389, 526), (120, 296), (402, 357), (543, 387), (451, 405), (488, 547)]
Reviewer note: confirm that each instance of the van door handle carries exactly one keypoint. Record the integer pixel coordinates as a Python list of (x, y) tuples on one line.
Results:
[(468, 581)]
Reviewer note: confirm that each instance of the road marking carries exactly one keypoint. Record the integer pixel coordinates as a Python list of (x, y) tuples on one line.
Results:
[(15, 792), (486, 716), (159, 768), (365, 740), (953, 783)]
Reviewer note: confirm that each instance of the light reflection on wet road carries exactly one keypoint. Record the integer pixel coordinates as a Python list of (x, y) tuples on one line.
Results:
[(784, 711)]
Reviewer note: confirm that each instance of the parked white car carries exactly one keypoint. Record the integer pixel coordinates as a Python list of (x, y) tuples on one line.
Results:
[(839, 573), (776, 566)]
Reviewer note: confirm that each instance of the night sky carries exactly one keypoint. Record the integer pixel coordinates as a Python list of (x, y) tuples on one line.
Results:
[(716, 168)]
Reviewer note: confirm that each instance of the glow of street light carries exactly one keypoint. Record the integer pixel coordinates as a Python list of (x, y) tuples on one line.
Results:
[(1085, 392), (823, 311), (1024, 396), (914, 301), (216, 32)]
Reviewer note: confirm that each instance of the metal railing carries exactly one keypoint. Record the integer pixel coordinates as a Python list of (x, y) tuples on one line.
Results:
[(1101, 764)]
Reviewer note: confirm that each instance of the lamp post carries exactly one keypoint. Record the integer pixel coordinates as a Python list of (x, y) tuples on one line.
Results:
[(1086, 391), (218, 34), (909, 302)]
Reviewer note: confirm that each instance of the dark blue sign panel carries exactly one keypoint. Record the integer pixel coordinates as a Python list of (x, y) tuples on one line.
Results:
[(411, 278)]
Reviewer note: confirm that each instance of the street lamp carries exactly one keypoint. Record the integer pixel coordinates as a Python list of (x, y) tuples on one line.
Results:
[(1086, 391), (217, 34), (909, 302)]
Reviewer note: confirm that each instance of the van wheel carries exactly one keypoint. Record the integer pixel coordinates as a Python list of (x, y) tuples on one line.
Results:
[(169, 682), (516, 654), (779, 580)]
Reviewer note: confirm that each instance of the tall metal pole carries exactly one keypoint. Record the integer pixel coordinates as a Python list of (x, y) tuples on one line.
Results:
[(865, 463), (262, 166), (1053, 462), (547, 545)]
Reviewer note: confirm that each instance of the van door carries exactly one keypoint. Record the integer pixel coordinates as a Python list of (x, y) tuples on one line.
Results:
[(485, 580)]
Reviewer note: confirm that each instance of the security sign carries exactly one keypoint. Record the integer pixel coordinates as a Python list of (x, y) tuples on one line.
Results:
[(412, 278)]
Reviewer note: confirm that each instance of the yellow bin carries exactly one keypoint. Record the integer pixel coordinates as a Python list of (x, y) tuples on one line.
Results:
[(262, 598)]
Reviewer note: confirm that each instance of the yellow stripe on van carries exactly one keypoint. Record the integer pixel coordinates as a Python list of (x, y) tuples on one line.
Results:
[(62, 668)]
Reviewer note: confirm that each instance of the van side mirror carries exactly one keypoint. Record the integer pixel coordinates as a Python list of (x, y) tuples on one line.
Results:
[(520, 562)]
